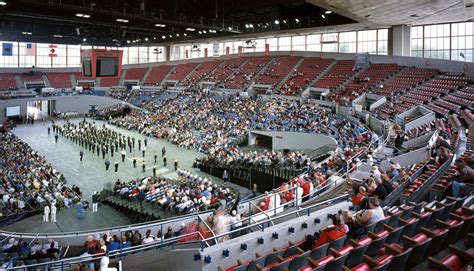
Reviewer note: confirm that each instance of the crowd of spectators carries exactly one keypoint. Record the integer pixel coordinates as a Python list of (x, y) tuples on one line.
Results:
[(189, 194), (28, 181)]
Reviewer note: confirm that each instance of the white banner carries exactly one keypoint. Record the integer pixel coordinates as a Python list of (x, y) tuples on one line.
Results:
[(177, 53), (215, 49)]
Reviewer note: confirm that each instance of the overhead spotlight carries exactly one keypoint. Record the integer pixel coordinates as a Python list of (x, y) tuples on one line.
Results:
[(170, 36), (277, 22), (3, 3), (86, 16), (284, 21), (246, 26), (200, 32), (160, 25), (177, 35), (328, 12), (26, 33), (190, 29), (128, 41), (163, 37), (230, 29), (146, 39), (251, 25), (154, 38), (204, 31), (297, 20), (121, 20), (322, 15), (84, 39), (57, 36), (83, 15), (184, 34)]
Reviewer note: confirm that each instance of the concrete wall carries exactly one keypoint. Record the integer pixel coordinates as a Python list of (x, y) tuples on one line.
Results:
[(409, 158), (79, 103), (294, 140)]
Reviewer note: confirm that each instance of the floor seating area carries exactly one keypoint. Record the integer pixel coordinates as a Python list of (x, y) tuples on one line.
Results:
[(276, 71), (156, 75), (60, 79), (340, 72)]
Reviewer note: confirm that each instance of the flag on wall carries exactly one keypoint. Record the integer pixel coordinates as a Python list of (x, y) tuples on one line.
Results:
[(7, 49), (31, 49)]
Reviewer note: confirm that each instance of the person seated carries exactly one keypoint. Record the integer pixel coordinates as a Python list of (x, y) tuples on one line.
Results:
[(373, 215), (358, 199), (331, 233)]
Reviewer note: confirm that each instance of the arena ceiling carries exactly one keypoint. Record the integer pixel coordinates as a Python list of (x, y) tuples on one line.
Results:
[(130, 22)]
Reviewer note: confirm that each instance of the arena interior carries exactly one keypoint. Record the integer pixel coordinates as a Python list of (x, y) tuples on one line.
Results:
[(219, 135)]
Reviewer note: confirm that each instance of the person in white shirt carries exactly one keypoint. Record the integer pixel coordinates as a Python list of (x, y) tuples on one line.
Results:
[(53, 212), (46, 214)]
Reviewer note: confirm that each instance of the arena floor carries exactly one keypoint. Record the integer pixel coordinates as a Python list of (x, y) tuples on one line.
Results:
[(90, 175)]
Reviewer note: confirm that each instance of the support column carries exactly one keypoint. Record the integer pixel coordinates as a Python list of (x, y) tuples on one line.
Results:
[(399, 42), (167, 53)]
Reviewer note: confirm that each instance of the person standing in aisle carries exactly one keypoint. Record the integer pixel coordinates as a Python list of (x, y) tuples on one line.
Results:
[(175, 164), (53, 212), (107, 165), (143, 151), (46, 214), (145, 141), (95, 201), (139, 145), (116, 165), (123, 152), (163, 151), (134, 162), (143, 166), (164, 160), (154, 171), (225, 176), (155, 156), (81, 154), (49, 130), (80, 210), (56, 138)]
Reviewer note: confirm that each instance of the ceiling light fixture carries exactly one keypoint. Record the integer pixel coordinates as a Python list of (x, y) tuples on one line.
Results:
[(204, 31), (3, 3), (277, 22), (328, 12), (163, 37), (128, 41), (146, 39), (122, 20), (57, 36), (82, 15), (26, 33), (297, 20), (160, 25), (251, 25), (177, 35), (324, 17), (190, 29), (230, 28), (185, 34), (84, 39)]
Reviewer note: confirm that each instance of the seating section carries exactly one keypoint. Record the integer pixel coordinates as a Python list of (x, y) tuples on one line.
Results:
[(7, 82), (135, 74), (242, 78), (277, 70), (301, 77), (404, 81), (181, 71), (156, 75), (60, 79), (225, 70), (203, 70), (109, 81), (444, 183), (369, 78), (340, 72), (409, 234), (32, 78)]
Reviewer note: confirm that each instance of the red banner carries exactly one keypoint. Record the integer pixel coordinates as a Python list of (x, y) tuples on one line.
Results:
[(267, 49), (205, 52), (187, 54), (227, 51)]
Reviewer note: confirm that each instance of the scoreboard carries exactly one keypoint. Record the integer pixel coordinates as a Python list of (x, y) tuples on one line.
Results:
[(101, 63)]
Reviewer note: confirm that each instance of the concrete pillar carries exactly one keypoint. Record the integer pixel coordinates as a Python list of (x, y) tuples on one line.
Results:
[(399, 43), (167, 53)]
